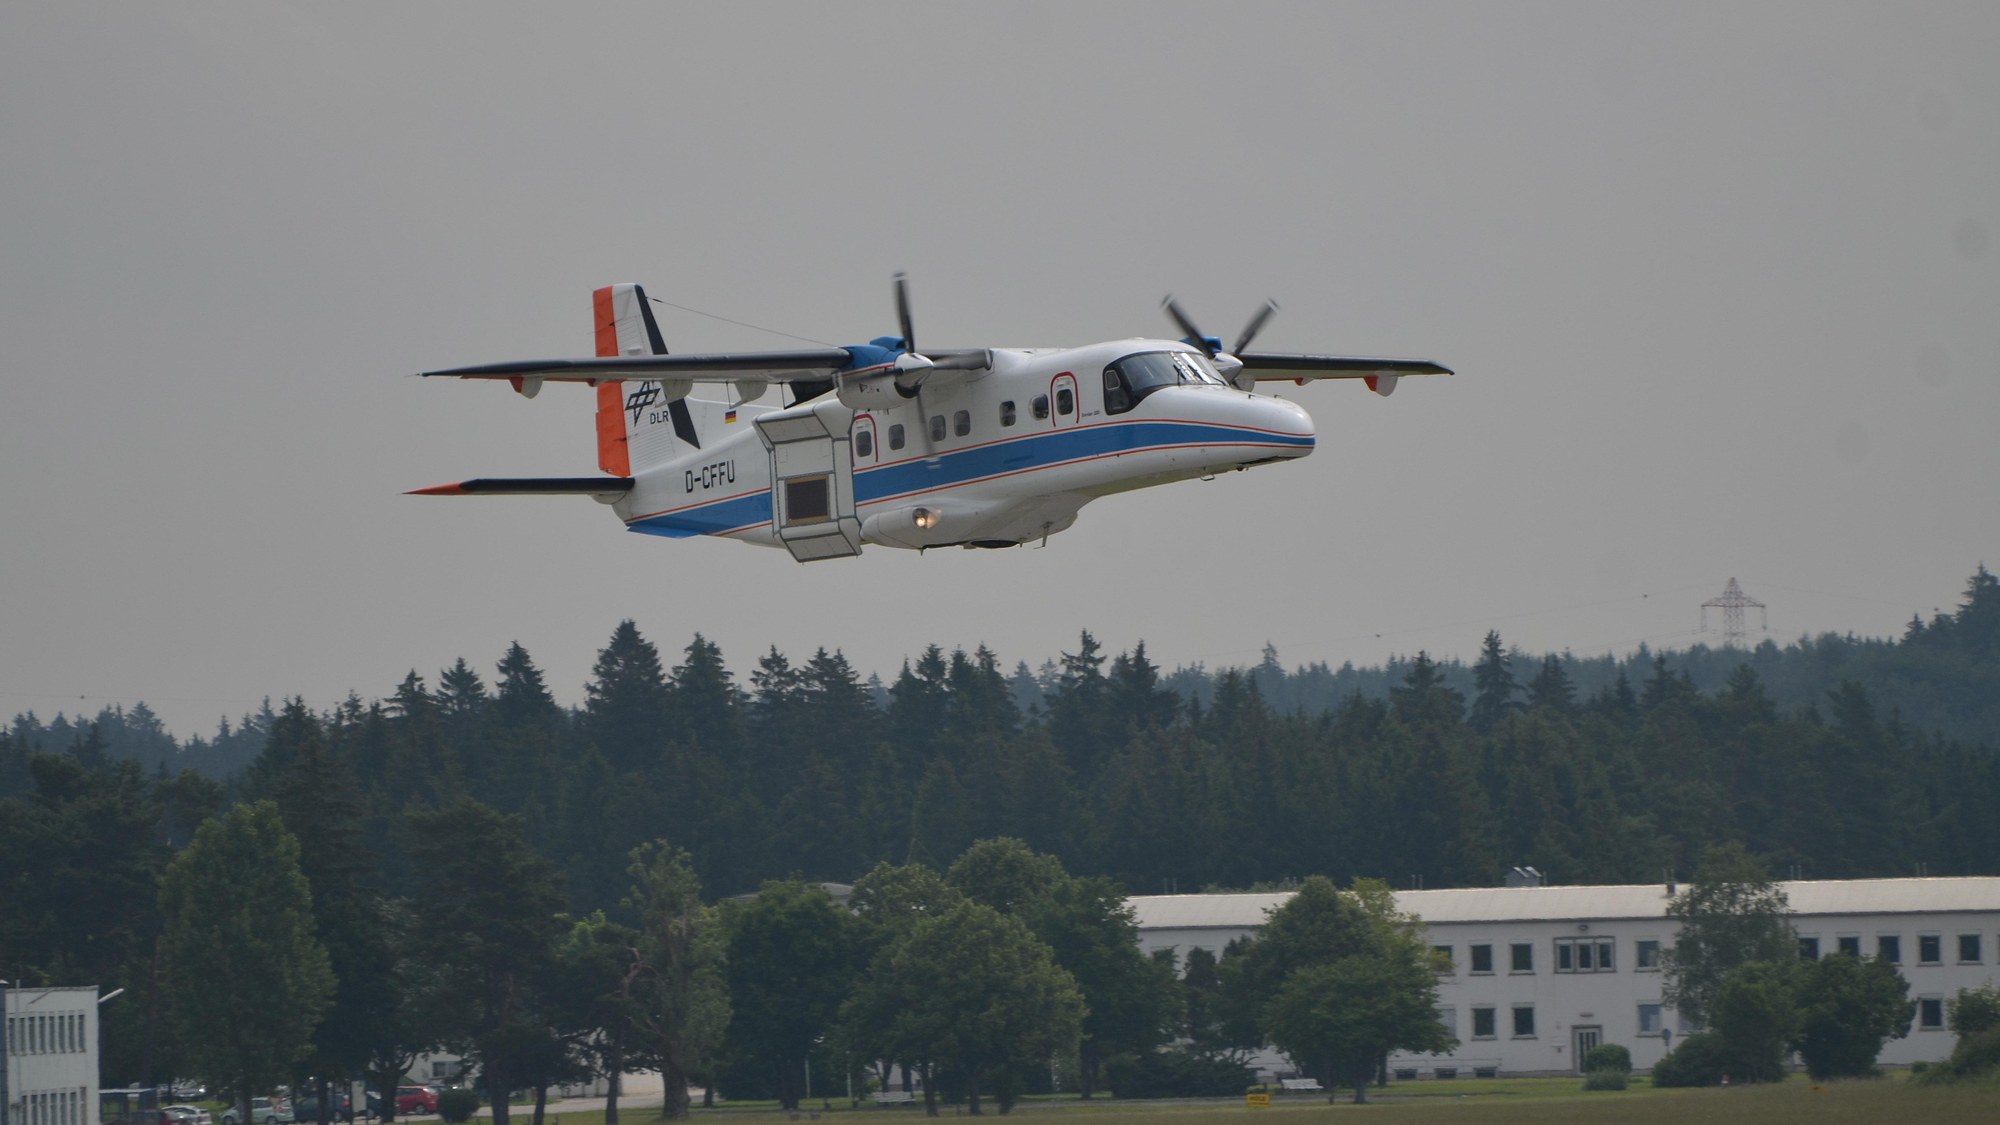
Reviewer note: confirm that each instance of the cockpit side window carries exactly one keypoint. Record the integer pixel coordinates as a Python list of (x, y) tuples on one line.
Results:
[(1117, 400)]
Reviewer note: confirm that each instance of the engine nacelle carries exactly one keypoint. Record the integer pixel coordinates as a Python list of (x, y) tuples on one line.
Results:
[(871, 392)]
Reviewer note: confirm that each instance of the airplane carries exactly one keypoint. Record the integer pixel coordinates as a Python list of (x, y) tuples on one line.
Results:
[(884, 445)]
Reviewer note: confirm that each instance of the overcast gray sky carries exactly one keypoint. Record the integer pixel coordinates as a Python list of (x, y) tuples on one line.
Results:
[(1719, 281)]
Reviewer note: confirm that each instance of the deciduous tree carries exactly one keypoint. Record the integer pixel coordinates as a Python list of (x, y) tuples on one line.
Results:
[(245, 980)]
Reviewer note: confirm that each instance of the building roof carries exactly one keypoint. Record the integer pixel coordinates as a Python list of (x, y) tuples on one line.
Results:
[(1562, 904)]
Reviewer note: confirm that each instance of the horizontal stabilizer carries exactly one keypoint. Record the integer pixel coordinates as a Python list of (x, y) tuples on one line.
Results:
[(604, 488)]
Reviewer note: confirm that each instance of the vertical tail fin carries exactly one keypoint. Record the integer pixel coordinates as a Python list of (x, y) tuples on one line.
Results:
[(637, 424)]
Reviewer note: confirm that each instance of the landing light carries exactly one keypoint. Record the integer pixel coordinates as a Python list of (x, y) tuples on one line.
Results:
[(924, 518)]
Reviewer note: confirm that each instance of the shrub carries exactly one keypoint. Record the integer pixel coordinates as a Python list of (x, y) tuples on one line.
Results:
[(1604, 1080), (1608, 1056), (1974, 1010), (1976, 1057), (1700, 1060), (1176, 1074), (457, 1105)]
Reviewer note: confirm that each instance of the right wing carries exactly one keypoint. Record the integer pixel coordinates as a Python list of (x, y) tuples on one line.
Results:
[(724, 367)]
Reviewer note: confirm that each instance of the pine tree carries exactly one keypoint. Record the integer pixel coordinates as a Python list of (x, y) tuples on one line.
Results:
[(1493, 685), (1551, 687), (626, 710)]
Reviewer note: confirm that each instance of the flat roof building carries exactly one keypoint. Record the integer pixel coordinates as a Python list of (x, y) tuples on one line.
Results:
[(50, 1056), (1541, 974)]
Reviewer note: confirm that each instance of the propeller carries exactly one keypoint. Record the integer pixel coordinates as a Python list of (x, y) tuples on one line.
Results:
[(1213, 345), (1194, 335), (903, 312), (1255, 326)]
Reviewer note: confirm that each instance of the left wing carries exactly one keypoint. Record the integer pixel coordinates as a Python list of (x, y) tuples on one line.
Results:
[(1283, 365), (1380, 373)]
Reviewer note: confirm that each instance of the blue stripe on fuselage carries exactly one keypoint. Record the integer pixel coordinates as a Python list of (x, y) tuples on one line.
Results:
[(954, 468)]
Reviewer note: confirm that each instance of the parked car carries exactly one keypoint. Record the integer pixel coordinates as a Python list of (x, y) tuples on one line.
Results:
[(186, 1090), (263, 1111), (184, 1115), (306, 1109), (416, 1099)]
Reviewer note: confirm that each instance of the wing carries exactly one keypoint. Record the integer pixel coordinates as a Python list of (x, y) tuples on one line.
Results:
[(723, 367), (1379, 373), (1283, 365)]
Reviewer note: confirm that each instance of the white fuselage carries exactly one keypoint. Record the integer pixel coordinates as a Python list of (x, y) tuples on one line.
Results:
[(1003, 457)]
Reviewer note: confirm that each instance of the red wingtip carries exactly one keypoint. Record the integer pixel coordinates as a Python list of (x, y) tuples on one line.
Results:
[(453, 489)]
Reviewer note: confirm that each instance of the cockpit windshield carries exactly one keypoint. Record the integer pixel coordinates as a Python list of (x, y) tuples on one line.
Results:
[(1134, 377)]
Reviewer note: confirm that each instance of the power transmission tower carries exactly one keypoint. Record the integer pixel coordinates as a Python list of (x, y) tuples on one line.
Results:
[(1732, 603)]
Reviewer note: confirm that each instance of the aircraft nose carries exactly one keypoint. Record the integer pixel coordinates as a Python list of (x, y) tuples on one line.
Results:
[(1289, 425)]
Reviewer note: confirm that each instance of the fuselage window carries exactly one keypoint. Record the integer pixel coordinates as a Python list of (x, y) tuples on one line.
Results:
[(937, 427), (1065, 401), (961, 423), (896, 436), (864, 444), (1007, 413), (1040, 406)]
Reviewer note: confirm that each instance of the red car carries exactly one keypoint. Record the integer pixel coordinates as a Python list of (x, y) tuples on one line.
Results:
[(416, 1099)]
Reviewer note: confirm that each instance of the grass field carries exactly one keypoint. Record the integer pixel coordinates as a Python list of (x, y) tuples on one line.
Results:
[(1517, 1101)]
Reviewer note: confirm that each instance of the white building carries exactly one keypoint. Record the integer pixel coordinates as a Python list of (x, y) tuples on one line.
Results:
[(51, 1056), (1541, 974)]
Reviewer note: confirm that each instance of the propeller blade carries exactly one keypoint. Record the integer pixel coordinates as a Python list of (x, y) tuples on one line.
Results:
[(1194, 335), (1255, 326), (903, 312)]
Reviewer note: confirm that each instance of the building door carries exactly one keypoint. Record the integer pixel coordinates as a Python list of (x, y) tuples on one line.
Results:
[(1583, 1040)]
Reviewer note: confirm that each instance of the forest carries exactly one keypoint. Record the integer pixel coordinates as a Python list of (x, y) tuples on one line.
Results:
[(1828, 758)]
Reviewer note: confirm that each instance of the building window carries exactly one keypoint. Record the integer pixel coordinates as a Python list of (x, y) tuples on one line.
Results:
[(896, 436), (1889, 947), (1930, 1013), (1646, 955), (1482, 1023), (1585, 955), (1448, 1016), (1442, 954), (961, 423), (1007, 413), (1524, 1021), (1650, 1022), (1523, 954), (1930, 949), (1968, 949), (1482, 958), (1808, 949), (1850, 944)]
